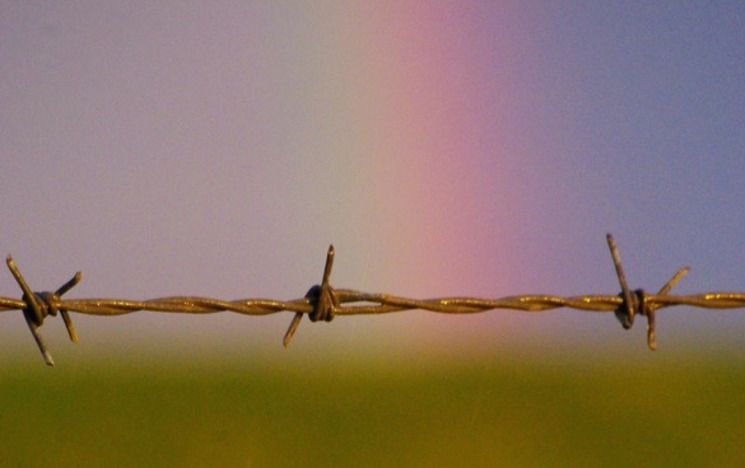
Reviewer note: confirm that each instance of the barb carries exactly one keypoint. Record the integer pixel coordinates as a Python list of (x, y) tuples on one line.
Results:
[(323, 302)]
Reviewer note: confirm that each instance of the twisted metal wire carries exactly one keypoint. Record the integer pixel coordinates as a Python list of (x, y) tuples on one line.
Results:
[(323, 303)]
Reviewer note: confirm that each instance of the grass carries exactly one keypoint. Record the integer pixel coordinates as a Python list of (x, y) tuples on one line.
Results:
[(515, 411)]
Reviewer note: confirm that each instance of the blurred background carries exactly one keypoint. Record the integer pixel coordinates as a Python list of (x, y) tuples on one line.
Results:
[(444, 148)]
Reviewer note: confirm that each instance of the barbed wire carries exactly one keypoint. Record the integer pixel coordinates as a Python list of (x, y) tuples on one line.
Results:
[(323, 302)]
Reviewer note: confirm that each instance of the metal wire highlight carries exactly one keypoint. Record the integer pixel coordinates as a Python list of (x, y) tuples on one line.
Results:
[(323, 302)]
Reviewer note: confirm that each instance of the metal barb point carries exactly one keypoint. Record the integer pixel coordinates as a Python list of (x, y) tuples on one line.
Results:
[(28, 296), (71, 283), (292, 329), (32, 312), (324, 299), (650, 309), (625, 315)]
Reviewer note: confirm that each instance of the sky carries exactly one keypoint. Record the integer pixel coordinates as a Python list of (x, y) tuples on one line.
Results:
[(445, 148)]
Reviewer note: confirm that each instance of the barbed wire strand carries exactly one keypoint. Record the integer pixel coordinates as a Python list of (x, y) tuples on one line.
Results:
[(323, 302)]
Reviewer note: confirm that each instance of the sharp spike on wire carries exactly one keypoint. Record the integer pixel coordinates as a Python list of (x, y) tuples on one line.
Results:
[(326, 302), (628, 305), (71, 283), (40, 342), (328, 266), (651, 309), (679, 275), (28, 294), (292, 329), (32, 312)]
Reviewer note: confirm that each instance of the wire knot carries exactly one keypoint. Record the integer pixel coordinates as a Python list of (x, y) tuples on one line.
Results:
[(636, 302), (324, 303), (40, 305), (322, 299), (626, 312), (46, 305)]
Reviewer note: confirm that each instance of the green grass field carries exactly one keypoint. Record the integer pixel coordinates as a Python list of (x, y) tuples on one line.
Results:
[(512, 411)]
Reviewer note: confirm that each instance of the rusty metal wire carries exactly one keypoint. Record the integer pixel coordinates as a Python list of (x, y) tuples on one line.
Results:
[(323, 302)]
